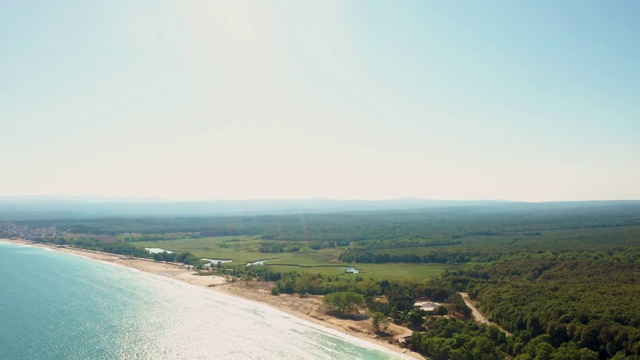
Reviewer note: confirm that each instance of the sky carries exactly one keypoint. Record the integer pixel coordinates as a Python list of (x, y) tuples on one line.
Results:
[(459, 100)]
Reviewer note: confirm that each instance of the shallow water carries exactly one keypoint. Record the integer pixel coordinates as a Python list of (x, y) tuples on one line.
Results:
[(55, 305)]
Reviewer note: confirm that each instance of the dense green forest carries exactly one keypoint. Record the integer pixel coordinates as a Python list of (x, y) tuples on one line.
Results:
[(564, 281), (583, 299), (430, 224)]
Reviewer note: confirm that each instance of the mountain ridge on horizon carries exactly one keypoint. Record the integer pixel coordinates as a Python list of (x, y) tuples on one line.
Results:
[(106, 198), (145, 199), (52, 207)]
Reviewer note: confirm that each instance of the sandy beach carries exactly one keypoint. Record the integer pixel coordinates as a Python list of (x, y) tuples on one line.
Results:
[(308, 308)]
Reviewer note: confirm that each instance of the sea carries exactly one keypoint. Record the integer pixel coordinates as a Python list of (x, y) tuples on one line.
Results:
[(55, 305)]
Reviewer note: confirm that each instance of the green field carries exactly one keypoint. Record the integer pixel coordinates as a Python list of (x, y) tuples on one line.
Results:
[(315, 258), (402, 271), (243, 249), (375, 271), (240, 249), (237, 248)]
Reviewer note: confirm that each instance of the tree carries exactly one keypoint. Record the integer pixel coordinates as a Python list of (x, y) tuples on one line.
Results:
[(301, 285), (586, 354), (380, 322), (343, 303), (415, 319), (441, 310)]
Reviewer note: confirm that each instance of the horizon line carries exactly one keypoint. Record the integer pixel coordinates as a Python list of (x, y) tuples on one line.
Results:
[(108, 198)]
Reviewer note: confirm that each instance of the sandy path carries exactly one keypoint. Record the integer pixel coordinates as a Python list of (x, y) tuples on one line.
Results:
[(477, 315)]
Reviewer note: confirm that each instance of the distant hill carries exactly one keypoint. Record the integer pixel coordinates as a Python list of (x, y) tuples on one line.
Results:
[(24, 208)]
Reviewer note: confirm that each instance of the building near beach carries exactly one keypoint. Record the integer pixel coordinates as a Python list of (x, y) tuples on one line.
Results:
[(427, 306)]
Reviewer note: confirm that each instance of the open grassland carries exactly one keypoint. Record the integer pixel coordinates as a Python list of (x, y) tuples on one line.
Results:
[(401, 270), (375, 271), (324, 270), (314, 258), (240, 249), (324, 262), (243, 249), (237, 248)]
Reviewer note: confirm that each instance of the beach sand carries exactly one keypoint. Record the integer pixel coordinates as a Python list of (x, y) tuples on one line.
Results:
[(308, 308)]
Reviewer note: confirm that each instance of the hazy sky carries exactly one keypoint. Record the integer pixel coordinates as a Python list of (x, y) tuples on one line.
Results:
[(514, 100)]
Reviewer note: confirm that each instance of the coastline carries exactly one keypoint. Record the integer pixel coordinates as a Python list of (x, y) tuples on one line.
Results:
[(307, 308)]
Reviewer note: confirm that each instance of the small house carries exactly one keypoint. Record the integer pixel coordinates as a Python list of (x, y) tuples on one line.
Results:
[(427, 306), (352, 270)]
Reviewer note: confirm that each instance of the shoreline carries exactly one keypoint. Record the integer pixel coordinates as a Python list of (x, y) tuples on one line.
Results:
[(307, 308)]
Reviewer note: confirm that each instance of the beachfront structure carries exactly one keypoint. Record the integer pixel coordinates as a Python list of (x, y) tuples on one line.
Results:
[(427, 306), (352, 270), (214, 262)]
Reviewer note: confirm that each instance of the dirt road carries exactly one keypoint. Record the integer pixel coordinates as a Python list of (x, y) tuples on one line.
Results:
[(477, 315)]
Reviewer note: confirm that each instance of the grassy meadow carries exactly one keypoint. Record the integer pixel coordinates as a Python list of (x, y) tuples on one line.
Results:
[(244, 249)]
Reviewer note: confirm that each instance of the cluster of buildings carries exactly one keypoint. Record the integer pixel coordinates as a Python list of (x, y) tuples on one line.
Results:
[(9, 230)]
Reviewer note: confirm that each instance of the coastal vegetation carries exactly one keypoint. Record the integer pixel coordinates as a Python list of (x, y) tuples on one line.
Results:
[(344, 303), (380, 322), (561, 280), (120, 248)]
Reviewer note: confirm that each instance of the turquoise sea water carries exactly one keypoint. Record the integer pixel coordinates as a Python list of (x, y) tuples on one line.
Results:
[(55, 305)]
